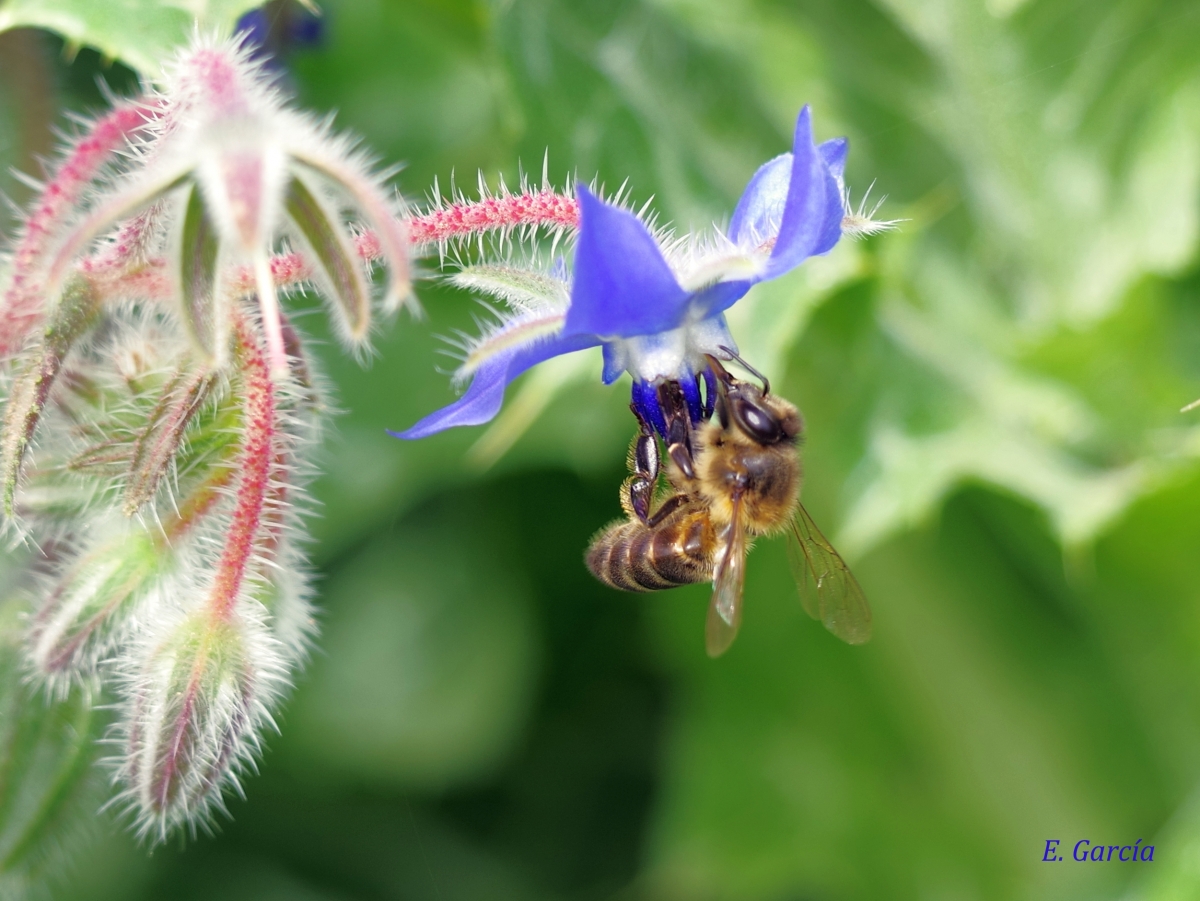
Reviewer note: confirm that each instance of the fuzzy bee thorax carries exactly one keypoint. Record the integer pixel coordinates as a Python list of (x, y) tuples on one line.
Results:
[(766, 477)]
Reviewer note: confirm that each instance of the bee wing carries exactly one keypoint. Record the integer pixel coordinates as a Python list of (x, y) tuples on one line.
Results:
[(725, 610), (828, 590)]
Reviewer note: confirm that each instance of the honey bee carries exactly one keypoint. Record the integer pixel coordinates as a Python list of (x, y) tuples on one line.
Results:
[(734, 477)]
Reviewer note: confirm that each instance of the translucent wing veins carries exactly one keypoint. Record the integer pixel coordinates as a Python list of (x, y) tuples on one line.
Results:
[(725, 611), (828, 590)]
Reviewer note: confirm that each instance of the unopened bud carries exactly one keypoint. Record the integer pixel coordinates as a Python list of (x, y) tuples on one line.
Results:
[(160, 443), (198, 695), (87, 612), (74, 315)]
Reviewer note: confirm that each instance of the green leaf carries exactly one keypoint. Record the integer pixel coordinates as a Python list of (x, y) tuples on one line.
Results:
[(145, 34), (49, 786)]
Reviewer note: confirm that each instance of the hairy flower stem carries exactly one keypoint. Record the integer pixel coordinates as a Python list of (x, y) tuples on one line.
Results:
[(467, 218), (23, 304), (116, 278), (255, 470)]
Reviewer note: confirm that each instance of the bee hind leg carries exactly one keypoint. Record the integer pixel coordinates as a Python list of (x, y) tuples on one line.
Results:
[(637, 491)]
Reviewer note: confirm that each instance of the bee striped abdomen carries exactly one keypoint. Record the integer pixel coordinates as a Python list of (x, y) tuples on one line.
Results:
[(635, 557)]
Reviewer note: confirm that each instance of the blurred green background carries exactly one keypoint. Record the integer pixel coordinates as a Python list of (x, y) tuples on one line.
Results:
[(992, 397)]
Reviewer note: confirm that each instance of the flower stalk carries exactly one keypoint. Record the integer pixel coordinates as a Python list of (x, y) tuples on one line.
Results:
[(254, 466), (23, 305)]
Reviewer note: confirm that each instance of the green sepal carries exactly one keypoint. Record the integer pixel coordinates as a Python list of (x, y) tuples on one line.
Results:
[(199, 250), (337, 267), (524, 290)]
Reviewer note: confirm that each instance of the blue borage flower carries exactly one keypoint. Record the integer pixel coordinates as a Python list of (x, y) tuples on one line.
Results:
[(656, 306)]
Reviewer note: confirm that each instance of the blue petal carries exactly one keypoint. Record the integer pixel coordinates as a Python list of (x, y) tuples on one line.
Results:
[(622, 287), (760, 209), (833, 152), (831, 228), (805, 226), (719, 297), (483, 399), (614, 364)]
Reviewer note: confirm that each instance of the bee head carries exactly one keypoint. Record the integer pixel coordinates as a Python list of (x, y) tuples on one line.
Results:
[(759, 415)]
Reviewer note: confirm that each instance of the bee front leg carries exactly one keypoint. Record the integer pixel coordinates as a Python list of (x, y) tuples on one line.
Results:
[(637, 491)]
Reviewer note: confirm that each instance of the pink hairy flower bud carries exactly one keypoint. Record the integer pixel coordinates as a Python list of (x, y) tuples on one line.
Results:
[(251, 156), (200, 689)]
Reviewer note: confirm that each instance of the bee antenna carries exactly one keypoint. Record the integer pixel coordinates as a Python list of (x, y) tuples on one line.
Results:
[(766, 385)]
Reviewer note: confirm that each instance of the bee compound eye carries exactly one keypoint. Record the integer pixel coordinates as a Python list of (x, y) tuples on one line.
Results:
[(756, 422)]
